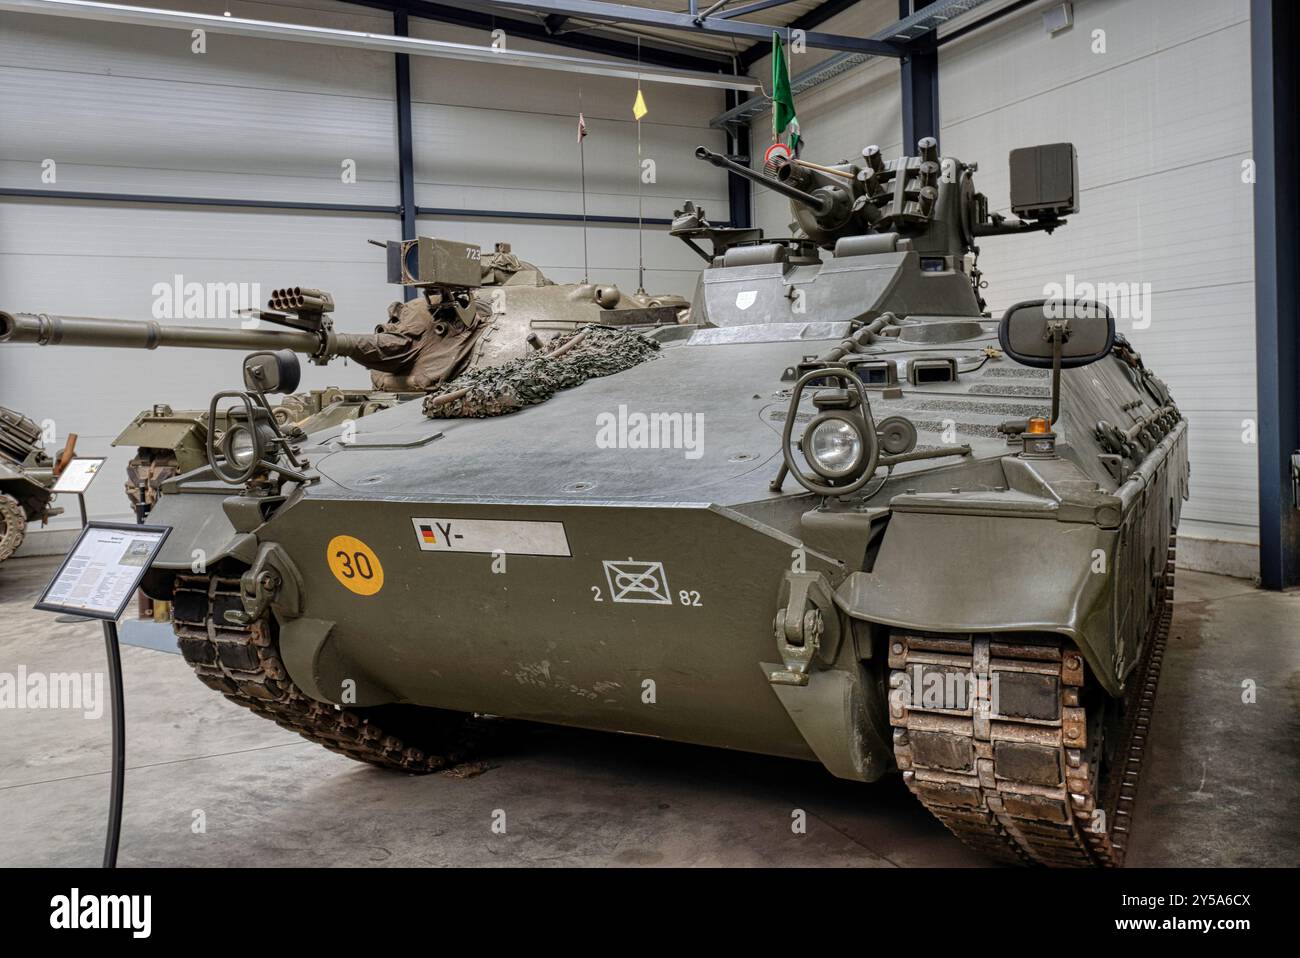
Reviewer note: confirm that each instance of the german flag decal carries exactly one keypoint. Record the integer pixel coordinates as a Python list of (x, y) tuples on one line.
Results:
[(488, 536)]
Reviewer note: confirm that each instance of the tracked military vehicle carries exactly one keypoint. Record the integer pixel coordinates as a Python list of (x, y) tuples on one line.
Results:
[(843, 515), (27, 475)]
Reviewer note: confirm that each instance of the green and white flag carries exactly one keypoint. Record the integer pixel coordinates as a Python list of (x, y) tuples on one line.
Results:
[(782, 99)]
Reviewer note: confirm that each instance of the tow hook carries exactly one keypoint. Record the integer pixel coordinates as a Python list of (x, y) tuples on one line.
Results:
[(271, 582), (806, 627), (256, 591)]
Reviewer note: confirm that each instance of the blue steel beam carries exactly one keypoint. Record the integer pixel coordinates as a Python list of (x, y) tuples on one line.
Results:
[(740, 191), (729, 14), (1273, 39), (405, 141), (813, 18), (919, 75), (620, 49), (668, 20)]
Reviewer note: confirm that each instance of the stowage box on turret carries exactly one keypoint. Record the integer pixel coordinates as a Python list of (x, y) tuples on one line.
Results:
[(842, 515)]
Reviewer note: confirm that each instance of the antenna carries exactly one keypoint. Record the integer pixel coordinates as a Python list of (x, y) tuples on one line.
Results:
[(640, 182), (582, 164)]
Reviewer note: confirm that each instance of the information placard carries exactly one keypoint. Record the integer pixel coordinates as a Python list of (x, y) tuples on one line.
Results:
[(77, 475), (103, 569)]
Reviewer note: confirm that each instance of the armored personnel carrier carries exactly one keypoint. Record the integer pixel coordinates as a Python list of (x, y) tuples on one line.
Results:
[(27, 474), (843, 515)]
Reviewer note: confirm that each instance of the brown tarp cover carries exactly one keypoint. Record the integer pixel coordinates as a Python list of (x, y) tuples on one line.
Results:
[(416, 349)]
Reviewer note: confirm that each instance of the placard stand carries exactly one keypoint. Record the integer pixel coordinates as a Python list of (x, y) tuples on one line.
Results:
[(117, 786), (96, 580)]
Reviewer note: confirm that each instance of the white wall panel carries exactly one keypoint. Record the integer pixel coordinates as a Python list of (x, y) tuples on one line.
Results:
[(491, 137), (1161, 122), (131, 109), (557, 248)]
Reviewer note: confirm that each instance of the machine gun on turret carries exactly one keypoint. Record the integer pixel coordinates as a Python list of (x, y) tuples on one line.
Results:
[(926, 198)]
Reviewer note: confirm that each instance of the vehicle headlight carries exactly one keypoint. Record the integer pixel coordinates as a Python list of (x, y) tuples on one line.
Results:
[(833, 446), (240, 446)]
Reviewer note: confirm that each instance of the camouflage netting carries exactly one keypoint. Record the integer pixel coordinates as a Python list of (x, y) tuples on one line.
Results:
[(497, 390)]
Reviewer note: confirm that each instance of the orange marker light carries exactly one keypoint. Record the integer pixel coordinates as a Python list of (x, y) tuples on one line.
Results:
[(1037, 425)]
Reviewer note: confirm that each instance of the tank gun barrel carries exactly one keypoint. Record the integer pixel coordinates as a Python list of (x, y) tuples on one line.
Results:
[(49, 330), (820, 205)]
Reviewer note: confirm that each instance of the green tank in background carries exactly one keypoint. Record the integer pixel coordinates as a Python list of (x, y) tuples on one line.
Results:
[(525, 305), (422, 343), (27, 475)]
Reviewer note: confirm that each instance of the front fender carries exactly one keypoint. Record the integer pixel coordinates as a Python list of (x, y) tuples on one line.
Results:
[(972, 573), (201, 531)]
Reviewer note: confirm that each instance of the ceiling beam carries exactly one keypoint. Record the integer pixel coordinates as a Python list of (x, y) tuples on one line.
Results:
[(361, 40), (910, 34), (813, 18), (656, 55), (750, 8), (668, 20)]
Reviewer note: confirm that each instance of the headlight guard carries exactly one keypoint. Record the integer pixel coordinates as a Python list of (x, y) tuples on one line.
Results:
[(833, 478)]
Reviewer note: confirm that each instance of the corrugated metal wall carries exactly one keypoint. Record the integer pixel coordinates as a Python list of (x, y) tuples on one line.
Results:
[(506, 138), (133, 110), (1161, 121)]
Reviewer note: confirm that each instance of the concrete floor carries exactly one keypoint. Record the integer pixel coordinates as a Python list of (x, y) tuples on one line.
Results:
[(1220, 788)]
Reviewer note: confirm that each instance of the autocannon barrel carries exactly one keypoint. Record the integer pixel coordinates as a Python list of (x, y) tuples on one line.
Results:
[(820, 205), (47, 330), (43, 329)]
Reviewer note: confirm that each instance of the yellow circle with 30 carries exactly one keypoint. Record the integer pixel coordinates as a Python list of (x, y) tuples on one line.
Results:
[(355, 565)]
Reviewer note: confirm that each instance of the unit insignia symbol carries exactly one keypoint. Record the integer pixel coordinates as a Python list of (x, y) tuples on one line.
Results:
[(632, 581)]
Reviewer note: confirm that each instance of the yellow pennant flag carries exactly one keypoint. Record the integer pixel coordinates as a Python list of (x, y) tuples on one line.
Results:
[(639, 108)]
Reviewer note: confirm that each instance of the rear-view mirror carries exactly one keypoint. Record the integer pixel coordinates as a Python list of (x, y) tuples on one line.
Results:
[(1086, 332), (272, 371)]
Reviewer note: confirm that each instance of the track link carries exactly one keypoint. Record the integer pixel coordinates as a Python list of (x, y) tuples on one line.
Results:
[(13, 525), (243, 664), (1025, 782)]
